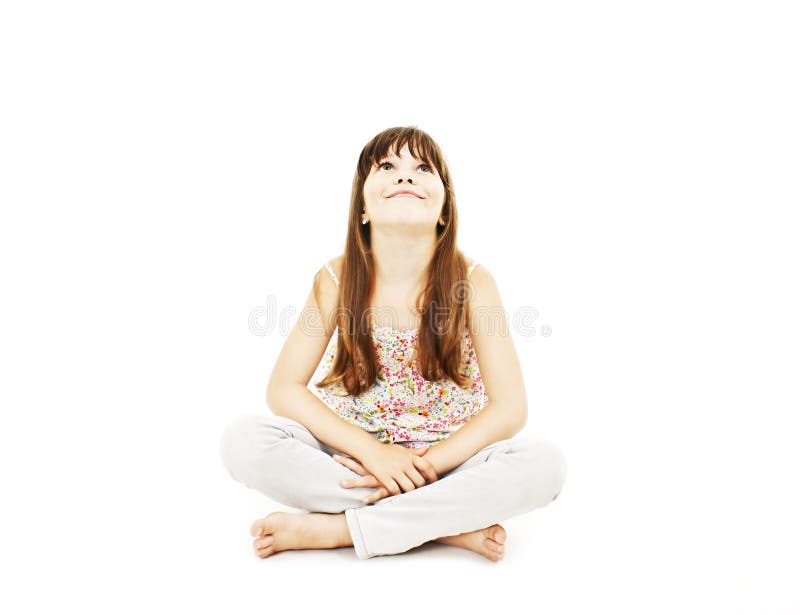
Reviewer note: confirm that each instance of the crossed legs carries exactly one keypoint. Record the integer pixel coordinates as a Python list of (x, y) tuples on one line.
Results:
[(282, 459)]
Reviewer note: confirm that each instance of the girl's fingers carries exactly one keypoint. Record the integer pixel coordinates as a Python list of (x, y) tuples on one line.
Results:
[(345, 461), (427, 470), (352, 464), (361, 481), (376, 495)]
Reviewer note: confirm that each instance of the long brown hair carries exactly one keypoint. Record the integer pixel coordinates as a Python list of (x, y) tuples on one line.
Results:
[(443, 302)]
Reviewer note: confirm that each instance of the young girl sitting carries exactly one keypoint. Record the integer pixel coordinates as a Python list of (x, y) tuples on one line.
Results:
[(398, 393)]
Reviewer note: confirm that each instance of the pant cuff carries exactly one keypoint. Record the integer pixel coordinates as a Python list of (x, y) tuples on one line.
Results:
[(359, 544)]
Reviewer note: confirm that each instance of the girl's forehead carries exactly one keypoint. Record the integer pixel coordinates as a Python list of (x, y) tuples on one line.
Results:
[(405, 152)]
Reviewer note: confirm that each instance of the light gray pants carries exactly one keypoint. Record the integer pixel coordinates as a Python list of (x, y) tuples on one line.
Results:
[(283, 460)]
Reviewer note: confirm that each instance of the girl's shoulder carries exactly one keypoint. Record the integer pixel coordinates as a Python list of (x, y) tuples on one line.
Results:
[(326, 290), (334, 268), (472, 266)]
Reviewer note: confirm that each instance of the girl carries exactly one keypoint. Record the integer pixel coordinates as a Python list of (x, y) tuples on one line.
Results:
[(399, 438)]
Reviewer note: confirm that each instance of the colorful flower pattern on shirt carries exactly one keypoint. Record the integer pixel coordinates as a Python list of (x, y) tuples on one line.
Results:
[(401, 407)]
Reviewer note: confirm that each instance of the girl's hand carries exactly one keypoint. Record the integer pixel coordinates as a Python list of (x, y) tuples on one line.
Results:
[(397, 468), (368, 480)]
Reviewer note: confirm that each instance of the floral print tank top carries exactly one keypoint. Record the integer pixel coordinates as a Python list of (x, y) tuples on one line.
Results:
[(401, 407)]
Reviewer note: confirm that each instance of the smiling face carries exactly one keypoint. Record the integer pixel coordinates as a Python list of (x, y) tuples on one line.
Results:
[(422, 203)]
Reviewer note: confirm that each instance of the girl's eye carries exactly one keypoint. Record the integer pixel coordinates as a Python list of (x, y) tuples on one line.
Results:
[(383, 164)]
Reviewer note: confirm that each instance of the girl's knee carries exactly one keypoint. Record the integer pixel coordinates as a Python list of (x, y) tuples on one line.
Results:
[(243, 437), (546, 467), (234, 437)]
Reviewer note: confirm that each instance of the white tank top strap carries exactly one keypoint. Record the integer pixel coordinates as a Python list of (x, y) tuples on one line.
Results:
[(471, 267), (333, 275)]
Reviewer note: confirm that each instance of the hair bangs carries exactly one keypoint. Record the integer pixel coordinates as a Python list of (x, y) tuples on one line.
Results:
[(420, 146)]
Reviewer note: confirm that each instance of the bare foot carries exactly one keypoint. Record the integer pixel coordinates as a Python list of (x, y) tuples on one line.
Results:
[(280, 531), (488, 541)]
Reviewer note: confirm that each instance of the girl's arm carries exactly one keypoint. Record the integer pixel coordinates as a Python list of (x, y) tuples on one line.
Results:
[(287, 392), (507, 411), (492, 424), (296, 402)]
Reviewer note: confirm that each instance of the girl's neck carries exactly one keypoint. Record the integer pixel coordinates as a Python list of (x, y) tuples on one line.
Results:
[(401, 260)]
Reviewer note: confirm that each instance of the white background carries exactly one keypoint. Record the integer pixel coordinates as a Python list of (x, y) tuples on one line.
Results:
[(627, 169)]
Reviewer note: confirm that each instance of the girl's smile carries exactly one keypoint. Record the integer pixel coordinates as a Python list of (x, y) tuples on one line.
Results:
[(405, 193)]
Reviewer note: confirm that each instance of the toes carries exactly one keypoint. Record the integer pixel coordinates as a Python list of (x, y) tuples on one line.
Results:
[(496, 533), (261, 526), (493, 556), (266, 552), (495, 547), (490, 546), (263, 543), (496, 551)]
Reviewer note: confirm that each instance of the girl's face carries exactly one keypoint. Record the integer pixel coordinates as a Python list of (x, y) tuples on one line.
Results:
[(422, 208)]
